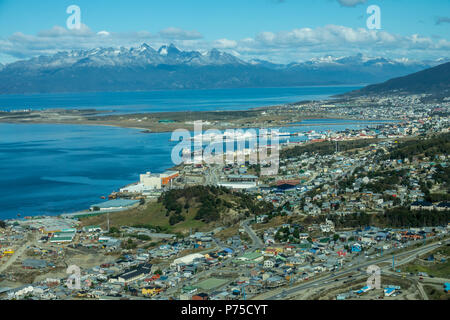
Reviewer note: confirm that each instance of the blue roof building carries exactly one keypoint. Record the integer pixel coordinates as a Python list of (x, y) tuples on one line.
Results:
[(113, 204)]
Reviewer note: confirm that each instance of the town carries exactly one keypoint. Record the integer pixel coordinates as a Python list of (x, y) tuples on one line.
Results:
[(341, 201)]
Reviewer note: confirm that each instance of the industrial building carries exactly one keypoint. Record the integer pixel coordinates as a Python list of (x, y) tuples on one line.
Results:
[(116, 204), (239, 181), (63, 236), (158, 180), (187, 259), (135, 274)]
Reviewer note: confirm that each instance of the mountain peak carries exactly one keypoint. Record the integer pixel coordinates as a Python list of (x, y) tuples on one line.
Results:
[(26, 75), (145, 46), (169, 50)]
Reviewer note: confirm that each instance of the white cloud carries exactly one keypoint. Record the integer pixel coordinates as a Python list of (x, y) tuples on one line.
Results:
[(351, 3), (225, 44), (179, 34), (103, 33), (284, 46)]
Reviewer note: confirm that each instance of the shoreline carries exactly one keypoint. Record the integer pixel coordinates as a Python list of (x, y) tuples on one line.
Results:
[(90, 117), (158, 123)]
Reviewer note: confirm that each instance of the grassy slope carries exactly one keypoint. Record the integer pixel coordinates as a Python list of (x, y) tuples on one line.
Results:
[(153, 214)]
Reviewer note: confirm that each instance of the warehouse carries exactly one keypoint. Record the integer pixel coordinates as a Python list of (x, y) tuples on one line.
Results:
[(116, 204), (237, 185), (187, 259), (132, 275), (152, 181), (63, 236)]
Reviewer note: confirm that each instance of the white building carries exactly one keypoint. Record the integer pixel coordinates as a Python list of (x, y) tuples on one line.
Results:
[(152, 181), (187, 259)]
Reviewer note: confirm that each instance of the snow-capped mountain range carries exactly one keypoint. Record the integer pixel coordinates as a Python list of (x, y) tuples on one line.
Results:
[(145, 68)]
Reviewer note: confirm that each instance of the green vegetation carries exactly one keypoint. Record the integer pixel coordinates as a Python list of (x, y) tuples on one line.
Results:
[(428, 147), (325, 148), (159, 272), (184, 209), (285, 235), (400, 217), (130, 244), (436, 294), (353, 220), (151, 227), (210, 202), (438, 269), (385, 180), (404, 217), (442, 176)]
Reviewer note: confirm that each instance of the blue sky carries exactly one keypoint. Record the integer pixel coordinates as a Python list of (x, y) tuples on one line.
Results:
[(275, 30)]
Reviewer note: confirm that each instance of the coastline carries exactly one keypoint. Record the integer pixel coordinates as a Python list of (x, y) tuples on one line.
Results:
[(159, 123), (258, 117)]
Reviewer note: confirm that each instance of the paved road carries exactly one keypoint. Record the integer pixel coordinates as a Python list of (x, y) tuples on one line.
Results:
[(422, 291), (324, 280), (257, 242)]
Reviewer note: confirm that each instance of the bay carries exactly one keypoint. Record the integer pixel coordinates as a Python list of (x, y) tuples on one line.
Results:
[(170, 100), (52, 169)]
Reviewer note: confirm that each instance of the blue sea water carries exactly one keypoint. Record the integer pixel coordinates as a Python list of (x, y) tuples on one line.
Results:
[(171, 101), (53, 169)]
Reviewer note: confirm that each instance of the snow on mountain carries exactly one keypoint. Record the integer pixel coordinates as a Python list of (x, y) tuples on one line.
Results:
[(144, 68), (171, 55)]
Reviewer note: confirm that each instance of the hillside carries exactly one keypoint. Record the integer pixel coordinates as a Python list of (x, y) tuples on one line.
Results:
[(435, 81), (195, 208)]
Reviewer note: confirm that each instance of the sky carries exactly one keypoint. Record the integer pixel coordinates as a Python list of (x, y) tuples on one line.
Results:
[(280, 31)]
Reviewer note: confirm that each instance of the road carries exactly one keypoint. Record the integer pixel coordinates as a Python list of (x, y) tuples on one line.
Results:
[(257, 242), (275, 294), (212, 175)]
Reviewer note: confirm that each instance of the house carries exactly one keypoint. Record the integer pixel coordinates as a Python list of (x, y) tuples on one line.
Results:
[(200, 296), (443, 206), (89, 229), (364, 289), (250, 257), (356, 247), (151, 291), (274, 281), (421, 205)]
